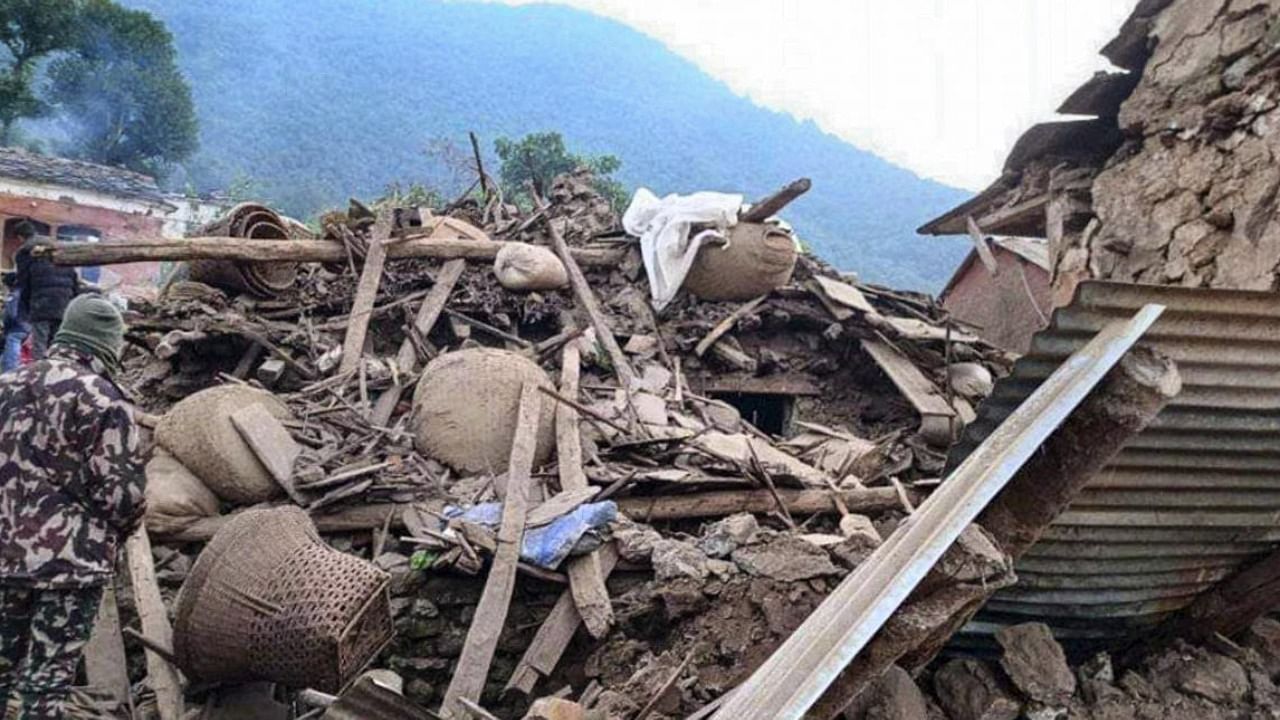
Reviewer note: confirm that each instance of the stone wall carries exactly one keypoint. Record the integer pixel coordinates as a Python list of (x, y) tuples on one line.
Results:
[(1191, 197)]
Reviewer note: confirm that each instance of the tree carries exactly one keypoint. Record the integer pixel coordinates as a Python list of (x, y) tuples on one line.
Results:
[(538, 157), (122, 91), (30, 30)]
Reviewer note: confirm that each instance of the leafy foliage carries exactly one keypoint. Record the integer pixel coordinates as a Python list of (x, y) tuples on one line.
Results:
[(30, 30), (332, 98), (122, 87), (538, 157)]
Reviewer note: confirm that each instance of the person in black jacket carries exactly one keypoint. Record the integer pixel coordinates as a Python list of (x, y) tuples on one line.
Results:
[(44, 290)]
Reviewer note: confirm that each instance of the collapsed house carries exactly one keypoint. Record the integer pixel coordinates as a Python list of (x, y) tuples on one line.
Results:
[(739, 505)]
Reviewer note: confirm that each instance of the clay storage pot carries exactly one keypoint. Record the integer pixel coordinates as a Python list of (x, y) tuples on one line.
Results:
[(246, 220), (199, 433), (759, 258), (269, 600), (465, 408)]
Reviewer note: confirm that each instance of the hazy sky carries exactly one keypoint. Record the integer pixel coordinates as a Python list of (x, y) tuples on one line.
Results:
[(943, 87)]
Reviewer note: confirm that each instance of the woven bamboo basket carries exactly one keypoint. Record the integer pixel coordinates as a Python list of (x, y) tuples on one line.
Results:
[(199, 432), (269, 600), (466, 406), (758, 258), (246, 220)]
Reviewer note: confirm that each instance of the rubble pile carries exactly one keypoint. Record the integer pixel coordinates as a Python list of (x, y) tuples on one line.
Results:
[(758, 452), (1031, 679)]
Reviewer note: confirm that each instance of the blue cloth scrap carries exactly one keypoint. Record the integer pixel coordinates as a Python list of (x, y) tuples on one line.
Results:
[(548, 545)]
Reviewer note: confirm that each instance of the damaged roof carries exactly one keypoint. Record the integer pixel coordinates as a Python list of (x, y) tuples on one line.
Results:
[(1081, 141), (49, 170)]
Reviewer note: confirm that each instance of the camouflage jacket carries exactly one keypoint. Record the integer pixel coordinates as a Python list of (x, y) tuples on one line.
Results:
[(71, 481)]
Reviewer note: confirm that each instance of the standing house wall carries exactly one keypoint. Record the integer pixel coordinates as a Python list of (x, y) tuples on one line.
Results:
[(999, 305), (1191, 197), (116, 218)]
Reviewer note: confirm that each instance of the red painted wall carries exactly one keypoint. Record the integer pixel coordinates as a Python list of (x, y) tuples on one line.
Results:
[(999, 304), (113, 224)]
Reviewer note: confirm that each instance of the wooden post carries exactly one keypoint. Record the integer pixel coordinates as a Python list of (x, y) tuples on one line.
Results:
[(1132, 394), (161, 676), (491, 614)]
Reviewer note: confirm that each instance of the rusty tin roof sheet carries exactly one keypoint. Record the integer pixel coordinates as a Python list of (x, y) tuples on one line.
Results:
[(1187, 501)]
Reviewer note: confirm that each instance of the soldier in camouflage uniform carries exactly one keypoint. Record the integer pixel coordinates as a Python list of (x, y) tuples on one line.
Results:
[(71, 488)]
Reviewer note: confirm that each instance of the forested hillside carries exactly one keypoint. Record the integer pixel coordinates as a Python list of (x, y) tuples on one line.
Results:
[(319, 100)]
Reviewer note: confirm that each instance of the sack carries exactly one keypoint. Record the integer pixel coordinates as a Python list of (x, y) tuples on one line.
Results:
[(199, 433), (758, 258), (175, 496), (521, 266), (466, 405), (971, 380)]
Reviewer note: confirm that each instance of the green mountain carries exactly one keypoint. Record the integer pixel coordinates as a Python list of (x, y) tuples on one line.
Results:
[(320, 100)]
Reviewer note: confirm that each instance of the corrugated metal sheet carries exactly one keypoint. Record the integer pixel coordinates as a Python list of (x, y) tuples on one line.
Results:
[(1187, 501)]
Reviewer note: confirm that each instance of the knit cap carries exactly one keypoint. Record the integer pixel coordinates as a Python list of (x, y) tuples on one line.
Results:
[(92, 324)]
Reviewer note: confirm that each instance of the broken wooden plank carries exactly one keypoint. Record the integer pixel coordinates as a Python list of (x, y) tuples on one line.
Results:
[(366, 293), (162, 677), (844, 294), (802, 669), (726, 325), (296, 251), (587, 299), (423, 322), (271, 443), (914, 386), (586, 578), (557, 630), (979, 239), (558, 505), (769, 206), (728, 351), (104, 656), (491, 613)]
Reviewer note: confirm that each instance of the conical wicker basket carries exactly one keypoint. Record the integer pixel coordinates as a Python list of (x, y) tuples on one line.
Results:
[(269, 600)]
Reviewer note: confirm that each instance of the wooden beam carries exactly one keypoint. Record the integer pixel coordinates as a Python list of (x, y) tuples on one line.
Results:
[(491, 613), (555, 633), (769, 206), (728, 502), (366, 294), (297, 251), (586, 580), (407, 358), (154, 618)]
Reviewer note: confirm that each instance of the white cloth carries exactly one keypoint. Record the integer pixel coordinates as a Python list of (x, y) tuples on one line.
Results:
[(663, 226)]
